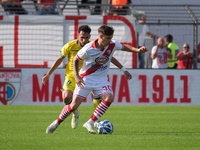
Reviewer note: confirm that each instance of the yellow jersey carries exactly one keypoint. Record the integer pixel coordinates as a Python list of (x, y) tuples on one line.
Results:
[(71, 49), (174, 51)]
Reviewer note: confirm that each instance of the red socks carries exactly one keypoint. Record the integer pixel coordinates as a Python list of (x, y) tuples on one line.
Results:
[(64, 113), (100, 110)]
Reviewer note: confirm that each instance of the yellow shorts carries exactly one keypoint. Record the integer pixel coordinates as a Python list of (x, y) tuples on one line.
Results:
[(69, 83)]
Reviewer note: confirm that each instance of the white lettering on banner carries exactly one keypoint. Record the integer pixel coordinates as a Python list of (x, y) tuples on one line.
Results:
[(147, 87)]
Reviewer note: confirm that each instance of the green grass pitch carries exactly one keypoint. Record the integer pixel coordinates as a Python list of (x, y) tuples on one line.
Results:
[(135, 128)]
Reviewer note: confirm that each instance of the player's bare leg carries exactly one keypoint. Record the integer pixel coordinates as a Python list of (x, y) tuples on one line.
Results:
[(96, 102)]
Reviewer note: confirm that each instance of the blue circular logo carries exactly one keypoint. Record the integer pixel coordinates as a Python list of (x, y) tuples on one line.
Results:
[(7, 91)]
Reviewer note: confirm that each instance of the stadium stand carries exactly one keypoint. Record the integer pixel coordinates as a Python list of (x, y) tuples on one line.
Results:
[(30, 7), (75, 7), (181, 20)]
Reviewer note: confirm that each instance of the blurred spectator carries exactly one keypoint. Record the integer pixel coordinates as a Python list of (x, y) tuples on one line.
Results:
[(198, 64), (84, 2), (159, 55), (198, 48), (142, 35), (185, 58), (172, 63), (46, 8), (30, 7), (97, 8), (13, 7), (119, 10)]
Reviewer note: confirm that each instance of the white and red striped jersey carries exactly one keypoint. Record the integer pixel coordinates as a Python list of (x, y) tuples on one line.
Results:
[(161, 60), (97, 61)]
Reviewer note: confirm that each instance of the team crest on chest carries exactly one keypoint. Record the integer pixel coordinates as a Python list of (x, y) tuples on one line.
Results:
[(102, 59)]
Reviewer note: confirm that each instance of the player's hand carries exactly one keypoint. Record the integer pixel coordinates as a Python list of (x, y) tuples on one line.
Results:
[(159, 45), (79, 81), (189, 54), (143, 49), (127, 75), (45, 78)]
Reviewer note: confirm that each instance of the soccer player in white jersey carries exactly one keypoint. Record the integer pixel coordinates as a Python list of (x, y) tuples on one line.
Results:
[(93, 76), (70, 50)]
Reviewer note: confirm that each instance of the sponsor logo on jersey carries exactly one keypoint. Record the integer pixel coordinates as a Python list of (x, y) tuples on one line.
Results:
[(69, 83), (102, 68), (101, 60), (99, 68)]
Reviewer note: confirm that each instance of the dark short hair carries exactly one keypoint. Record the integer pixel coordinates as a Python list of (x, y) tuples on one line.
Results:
[(84, 28), (169, 38), (106, 30)]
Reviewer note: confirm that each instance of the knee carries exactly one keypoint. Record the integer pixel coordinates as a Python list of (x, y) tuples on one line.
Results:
[(109, 98), (67, 99)]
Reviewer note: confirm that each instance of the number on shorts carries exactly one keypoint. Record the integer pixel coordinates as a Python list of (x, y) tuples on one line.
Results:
[(107, 88)]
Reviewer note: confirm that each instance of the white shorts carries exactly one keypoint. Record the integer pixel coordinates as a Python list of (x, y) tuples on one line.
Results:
[(96, 90)]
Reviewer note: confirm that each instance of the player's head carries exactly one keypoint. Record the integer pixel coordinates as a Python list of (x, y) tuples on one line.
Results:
[(168, 38), (143, 19), (160, 42), (105, 34), (186, 47), (83, 35)]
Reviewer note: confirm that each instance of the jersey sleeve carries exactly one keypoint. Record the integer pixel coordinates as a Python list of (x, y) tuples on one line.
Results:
[(82, 54), (153, 49), (146, 28), (180, 53), (118, 45), (64, 51)]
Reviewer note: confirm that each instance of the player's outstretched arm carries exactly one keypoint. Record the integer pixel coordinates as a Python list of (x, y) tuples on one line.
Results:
[(79, 80), (52, 69), (130, 48), (116, 62), (128, 76)]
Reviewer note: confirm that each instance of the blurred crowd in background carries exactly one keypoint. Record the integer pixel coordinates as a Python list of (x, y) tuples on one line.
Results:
[(164, 54)]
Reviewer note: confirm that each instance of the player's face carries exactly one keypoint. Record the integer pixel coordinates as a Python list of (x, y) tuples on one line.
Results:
[(105, 39), (186, 48), (166, 42), (160, 42), (83, 38)]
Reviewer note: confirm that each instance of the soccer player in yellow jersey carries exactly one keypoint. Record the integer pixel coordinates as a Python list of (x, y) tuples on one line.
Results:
[(70, 49)]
